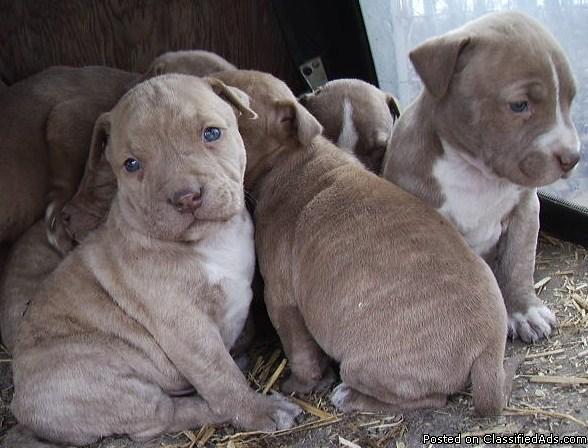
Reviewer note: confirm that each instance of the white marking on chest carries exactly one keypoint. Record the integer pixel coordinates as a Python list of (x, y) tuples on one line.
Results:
[(229, 261), (476, 201), (560, 134), (348, 137)]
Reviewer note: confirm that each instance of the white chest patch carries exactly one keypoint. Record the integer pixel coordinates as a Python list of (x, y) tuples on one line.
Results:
[(229, 260), (476, 201), (348, 137)]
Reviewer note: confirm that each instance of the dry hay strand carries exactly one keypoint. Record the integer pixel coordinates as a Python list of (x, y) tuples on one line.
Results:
[(244, 438), (540, 285), (311, 409), (544, 354), (555, 379), (274, 377), (343, 441), (533, 411)]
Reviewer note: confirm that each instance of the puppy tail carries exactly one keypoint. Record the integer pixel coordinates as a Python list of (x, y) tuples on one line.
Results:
[(492, 381), (21, 437)]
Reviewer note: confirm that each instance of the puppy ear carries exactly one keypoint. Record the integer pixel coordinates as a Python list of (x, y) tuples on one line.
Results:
[(100, 137), (294, 120), (235, 97), (435, 61), (155, 69), (394, 106)]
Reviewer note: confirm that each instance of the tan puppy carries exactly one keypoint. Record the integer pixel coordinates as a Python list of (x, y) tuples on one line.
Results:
[(148, 305), (359, 270), (491, 125), (46, 130), (356, 116), (30, 261), (42, 147), (32, 258), (189, 62)]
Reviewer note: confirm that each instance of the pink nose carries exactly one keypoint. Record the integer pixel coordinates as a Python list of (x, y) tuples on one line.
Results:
[(187, 201), (568, 161)]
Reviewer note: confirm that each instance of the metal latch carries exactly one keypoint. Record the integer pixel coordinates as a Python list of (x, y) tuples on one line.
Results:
[(314, 73)]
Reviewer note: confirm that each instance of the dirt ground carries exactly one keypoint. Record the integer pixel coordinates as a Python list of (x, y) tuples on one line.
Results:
[(550, 392)]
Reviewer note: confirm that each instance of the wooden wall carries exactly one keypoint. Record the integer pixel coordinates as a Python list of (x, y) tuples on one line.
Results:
[(128, 34)]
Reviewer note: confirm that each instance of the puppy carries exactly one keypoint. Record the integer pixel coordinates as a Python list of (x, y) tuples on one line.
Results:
[(146, 308), (355, 115), (30, 260), (189, 62), (46, 130), (490, 126), (359, 271), (43, 144)]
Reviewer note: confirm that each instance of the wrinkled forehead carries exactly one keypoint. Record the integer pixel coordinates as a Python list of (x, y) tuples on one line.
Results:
[(517, 46), (533, 62), (165, 106)]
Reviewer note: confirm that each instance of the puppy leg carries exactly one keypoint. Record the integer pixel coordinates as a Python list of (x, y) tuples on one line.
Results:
[(80, 391), (309, 365), (347, 399), (200, 351), (528, 318), (69, 131)]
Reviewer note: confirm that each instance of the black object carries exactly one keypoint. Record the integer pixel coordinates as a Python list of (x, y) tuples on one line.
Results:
[(330, 29), (564, 219)]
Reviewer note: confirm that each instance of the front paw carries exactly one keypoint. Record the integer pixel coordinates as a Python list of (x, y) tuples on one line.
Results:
[(270, 413), (57, 233), (531, 325)]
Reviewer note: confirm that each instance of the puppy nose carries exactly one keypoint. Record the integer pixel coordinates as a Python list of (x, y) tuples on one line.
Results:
[(187, 200), (568, 161)]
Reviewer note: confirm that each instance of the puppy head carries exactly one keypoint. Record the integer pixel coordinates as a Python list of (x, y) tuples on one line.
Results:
[(502, 89), (174, 147), (189, 62), (282, 124), (356, 116)]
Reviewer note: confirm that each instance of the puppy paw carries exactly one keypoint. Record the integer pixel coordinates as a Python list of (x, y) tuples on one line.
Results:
[(340, 396), (532, 325), (57, 234), (294, 385), (271, 413)]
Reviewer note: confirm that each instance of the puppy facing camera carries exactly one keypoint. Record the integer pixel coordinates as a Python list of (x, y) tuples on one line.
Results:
[(165, 282)]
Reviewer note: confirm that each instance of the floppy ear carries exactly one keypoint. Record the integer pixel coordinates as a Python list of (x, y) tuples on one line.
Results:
[(99, 142), (394, 107), (235, 97), (295, 121), (435, 61)]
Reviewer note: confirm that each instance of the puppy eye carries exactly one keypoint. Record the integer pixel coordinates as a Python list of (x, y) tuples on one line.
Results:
[(211, 134), (519, 107), (132, 165)]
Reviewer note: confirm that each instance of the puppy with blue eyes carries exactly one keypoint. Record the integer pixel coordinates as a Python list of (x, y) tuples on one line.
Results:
[(144, 312)]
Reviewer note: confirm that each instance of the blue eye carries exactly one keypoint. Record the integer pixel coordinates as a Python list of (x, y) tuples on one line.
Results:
[(519, 107), (211, 134), (132, 165)]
